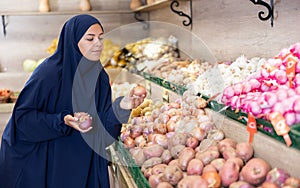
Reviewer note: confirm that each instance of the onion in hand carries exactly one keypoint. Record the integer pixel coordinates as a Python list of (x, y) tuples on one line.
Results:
[(84, 120)]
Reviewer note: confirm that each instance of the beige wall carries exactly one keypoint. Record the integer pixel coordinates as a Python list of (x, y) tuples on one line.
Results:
[(29, 36), (231, 27), (228, 27)]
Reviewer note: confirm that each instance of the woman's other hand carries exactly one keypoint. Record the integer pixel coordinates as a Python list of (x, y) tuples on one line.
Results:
[(135, 97), (73, 122)]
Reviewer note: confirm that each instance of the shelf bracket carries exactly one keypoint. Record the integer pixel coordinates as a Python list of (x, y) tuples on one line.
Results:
[(137, 17), (189, 20), (4, 24), (270, 8)]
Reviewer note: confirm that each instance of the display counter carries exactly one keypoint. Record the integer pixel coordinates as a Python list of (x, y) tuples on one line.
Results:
[(274, 152)]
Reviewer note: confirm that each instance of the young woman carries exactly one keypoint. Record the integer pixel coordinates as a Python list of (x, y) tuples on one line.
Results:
[(42, 145)]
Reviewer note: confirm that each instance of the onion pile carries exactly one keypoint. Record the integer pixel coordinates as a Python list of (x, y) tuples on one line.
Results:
[(270, 90)]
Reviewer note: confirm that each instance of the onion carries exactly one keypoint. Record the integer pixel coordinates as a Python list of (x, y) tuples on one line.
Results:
[(277, 176), (84, 120), (129, 142), (139, 91), (136, 131), (124, 135), (212, 178), (291, 181), (290, 118), (140, 141)]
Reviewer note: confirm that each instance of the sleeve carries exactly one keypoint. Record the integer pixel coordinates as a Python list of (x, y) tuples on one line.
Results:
[(32, 120), (113, 115)]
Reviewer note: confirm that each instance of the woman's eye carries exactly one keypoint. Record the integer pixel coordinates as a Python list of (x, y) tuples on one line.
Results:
[(89, 39)]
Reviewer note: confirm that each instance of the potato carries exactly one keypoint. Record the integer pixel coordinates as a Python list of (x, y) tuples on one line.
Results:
[(209, 168), (238, 161), (208, 155), (218, 163), (255, 171), (147, 172), (139, 157), (192, 182), (195, 167), (229, 173), (159, 168), (192, 142), (178, 138), (154, 150), (176, 150), (173, 174), (225, 143), (184, 157), (240, 184), (151, 162), (229, 152), (174, 162), (166, 156), (244, 150), (164, 185), (155, 179)]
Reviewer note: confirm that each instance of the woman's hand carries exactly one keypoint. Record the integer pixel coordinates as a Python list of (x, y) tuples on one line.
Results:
[(135, 97), (73, 122)]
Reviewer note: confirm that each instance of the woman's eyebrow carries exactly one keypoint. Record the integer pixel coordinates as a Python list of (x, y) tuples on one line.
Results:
[(94, 34)]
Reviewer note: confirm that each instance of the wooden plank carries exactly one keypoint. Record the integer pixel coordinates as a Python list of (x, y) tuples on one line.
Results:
[(35, 13)]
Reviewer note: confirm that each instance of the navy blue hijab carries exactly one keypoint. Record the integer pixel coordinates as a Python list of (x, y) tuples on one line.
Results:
[(37, 149)]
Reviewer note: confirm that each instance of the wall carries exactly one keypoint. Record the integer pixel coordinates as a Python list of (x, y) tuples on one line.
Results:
[(231, 27), (228, 28), (30, 36)]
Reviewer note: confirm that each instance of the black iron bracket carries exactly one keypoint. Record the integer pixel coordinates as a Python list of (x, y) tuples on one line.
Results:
[(270, 8), (137, 17), (189, 20), (4, 24)]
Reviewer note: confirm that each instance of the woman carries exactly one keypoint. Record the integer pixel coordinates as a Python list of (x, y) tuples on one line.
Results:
[(42, 145)]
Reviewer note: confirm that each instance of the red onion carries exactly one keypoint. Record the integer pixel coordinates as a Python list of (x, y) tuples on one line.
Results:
[(277, 176), (84, 120), (139, 91)]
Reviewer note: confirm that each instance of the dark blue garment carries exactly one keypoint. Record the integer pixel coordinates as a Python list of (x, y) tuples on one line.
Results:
[(38, 150)]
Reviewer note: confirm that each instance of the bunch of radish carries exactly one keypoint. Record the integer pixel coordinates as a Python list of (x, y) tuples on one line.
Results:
[(275, 88)]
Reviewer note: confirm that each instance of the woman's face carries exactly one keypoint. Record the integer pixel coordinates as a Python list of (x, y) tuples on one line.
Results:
[(91, 43)]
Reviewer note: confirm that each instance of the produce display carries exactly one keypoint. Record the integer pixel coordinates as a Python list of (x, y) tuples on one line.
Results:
[(176, 145), (8, 96), (273, 93), (145, 53)]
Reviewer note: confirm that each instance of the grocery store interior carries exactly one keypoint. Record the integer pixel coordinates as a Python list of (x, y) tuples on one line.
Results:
[(209, 67)]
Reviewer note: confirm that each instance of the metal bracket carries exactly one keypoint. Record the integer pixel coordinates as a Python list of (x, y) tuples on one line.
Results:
[(137, 15), (270, 8), (4, 24), (180, 13)]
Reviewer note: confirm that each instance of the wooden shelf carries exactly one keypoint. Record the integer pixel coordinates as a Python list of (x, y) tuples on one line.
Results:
[(156, 5), (35, 13)]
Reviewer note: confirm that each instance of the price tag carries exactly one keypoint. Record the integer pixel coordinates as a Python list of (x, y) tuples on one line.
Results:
[(280, 126), (291, 63), (148, 87), (165, 96), (251, 127)]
